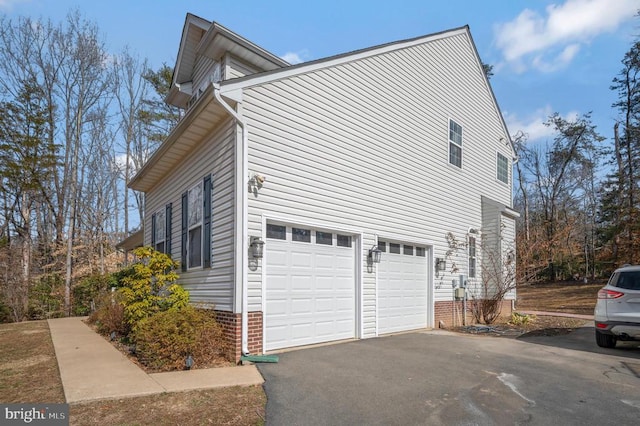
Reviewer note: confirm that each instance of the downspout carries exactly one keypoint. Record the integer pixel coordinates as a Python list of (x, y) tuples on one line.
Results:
[(242, 250)]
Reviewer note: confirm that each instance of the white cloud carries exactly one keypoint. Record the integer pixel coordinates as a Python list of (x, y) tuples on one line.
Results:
[(550, 42), (8, 4), (533, 125), (294, 57)]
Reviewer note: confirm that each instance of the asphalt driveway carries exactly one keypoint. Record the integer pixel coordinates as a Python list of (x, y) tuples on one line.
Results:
[(439, 378)]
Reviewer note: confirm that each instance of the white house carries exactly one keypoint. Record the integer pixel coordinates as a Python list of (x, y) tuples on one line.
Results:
[(400, 146)]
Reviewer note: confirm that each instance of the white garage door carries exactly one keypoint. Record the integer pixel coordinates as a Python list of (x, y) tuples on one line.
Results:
[(310, 287), (402, 287)]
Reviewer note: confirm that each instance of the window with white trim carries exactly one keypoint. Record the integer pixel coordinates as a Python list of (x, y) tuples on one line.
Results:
[(194, 235), (472, 257), (503, 168), (455, 143), (159, 229)]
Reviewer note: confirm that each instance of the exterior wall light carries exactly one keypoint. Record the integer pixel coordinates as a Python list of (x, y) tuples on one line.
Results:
[(375, 254), (257, 247), (441, 264)]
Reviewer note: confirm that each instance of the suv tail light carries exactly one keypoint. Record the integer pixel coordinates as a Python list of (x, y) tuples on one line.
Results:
[(609, 294)]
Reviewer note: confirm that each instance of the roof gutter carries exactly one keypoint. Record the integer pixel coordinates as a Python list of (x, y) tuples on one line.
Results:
[(241, 245)]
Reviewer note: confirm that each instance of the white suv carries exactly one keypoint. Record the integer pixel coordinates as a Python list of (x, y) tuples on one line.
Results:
[(617, 313)]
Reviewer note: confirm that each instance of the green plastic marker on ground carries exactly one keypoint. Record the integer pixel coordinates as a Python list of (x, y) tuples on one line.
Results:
[(260, 358)]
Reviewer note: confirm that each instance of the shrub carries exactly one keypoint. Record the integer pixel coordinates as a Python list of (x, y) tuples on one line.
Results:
[(87, 292), (46, 298), (164, 340), (148, 286), (520, 319), (109, 315)]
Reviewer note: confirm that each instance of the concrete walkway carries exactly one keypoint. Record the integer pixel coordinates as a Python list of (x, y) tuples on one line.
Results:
[(92, 369)]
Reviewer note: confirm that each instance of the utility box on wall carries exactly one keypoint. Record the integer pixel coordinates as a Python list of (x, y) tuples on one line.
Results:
[(459, 293)]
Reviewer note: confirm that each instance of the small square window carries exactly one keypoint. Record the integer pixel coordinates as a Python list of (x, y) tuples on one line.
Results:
[(420, 251), (278, 232), (394, 248), (300, 234), (408, 250), (344, 240), (382, 246), (324, 238)]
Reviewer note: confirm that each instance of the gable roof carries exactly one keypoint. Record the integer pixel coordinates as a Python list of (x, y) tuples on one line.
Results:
[(305, 67), (177, 145), (210, 39)]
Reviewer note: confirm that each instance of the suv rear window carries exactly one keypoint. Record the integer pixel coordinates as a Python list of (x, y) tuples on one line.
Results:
[(626, 280)]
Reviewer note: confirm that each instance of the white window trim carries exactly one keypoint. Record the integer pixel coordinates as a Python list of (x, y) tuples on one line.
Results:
[(190, 227), (475, 257), (163, 213), (498, 155), (450, 141)]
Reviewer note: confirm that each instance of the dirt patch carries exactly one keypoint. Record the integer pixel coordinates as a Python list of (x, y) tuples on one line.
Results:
[(28, 365), (228, 406), (25, 363), (568, 297), (541, 325)]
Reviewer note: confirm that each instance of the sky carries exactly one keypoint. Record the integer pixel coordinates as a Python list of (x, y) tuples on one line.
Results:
[(548, 56)]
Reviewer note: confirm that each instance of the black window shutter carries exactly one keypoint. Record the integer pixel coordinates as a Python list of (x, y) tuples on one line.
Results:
[(167, 234), (206, 240), (183, 258), (153, 231)]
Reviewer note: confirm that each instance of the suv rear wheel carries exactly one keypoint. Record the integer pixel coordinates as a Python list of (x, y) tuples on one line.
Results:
[(605, 340)]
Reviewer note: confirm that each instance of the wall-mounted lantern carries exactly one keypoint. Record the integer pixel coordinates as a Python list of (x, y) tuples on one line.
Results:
[(375, 254), (441, 264), (257, 247)]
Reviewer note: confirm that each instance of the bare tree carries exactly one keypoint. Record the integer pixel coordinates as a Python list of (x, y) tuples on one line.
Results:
[(131, 91)]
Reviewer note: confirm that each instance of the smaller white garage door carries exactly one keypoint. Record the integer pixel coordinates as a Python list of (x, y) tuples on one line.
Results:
[(310, 286), (402, 287)]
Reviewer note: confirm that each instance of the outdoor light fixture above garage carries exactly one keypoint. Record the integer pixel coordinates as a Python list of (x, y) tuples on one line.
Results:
[(257, 247), (375, 254)]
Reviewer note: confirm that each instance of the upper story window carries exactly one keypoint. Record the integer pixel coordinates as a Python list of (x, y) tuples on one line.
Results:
[(503, 168), (159, 230), (455, 144)]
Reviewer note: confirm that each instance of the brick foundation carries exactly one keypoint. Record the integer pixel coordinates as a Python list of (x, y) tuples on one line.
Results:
[(449, 314), (232, 325)]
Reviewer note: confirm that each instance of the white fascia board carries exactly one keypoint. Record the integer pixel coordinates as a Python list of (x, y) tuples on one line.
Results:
[(234, 95), (267, 77)]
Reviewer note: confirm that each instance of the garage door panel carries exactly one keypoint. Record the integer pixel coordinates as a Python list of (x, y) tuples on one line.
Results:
[(402, 292), (317, 283)]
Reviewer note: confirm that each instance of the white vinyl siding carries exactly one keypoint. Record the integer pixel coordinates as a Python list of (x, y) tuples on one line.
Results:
[(215, 155), (202, 73), (508, 246), (235, 68), (360, 146)]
